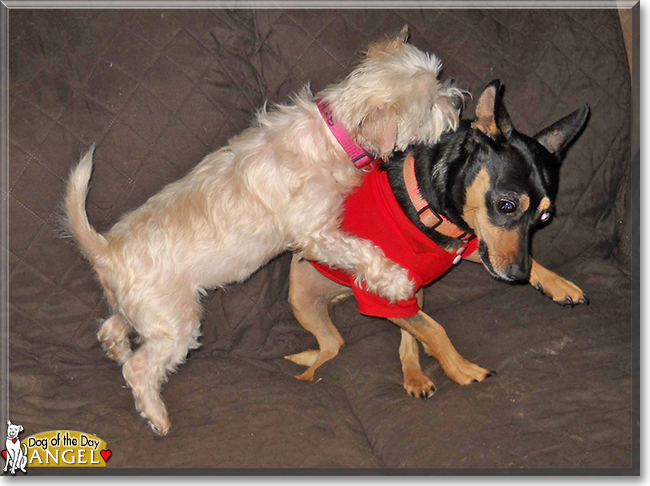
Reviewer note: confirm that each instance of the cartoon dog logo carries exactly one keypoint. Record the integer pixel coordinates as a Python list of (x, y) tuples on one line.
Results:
[(16, 456)]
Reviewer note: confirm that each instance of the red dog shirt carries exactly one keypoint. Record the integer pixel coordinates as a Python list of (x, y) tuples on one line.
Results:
[(373, 213)]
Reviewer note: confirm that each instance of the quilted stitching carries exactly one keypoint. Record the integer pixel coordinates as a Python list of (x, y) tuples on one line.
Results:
[(155, 100), (127, 78)]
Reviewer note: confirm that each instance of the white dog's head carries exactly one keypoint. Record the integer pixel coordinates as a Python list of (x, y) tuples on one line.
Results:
[(394, 98), (13, 430)]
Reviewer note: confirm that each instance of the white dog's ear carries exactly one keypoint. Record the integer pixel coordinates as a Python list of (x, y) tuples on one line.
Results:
[(378, 130), (403, 35), (21, 428), (389, 43), (8, 422)]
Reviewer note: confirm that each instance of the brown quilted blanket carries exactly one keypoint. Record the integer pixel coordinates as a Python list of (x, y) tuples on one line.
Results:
[(156, 90)]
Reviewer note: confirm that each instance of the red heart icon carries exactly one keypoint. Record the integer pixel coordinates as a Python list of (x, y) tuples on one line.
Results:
[(14, 440), (4, 454), (105, 454)]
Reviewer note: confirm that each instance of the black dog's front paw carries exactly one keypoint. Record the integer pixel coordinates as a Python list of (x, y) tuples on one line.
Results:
[(419, 385), (563, 292)]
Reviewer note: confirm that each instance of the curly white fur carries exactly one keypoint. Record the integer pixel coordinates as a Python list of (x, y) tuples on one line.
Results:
[(279, 185)]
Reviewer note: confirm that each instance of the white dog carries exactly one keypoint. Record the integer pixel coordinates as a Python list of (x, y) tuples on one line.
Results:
[(16, 457), (279, 185)]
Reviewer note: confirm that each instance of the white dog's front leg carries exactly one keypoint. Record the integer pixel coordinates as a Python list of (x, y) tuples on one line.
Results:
[(362, 259)]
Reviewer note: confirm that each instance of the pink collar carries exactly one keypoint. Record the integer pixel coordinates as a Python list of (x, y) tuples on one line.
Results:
[(360, 158)]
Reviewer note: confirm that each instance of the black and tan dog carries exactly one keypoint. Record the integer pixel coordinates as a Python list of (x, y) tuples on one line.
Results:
[(484, 187)]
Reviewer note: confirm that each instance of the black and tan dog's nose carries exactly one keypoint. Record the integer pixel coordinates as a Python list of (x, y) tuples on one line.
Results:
[(516, 272)]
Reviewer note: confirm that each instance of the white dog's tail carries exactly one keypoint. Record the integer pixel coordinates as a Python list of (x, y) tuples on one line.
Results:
[(93, 245), (25, 449)]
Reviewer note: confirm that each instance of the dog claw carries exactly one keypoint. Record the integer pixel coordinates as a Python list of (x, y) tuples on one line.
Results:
[(420, 390), (569, 301), (584, 299), (159, 431), (425, 395)]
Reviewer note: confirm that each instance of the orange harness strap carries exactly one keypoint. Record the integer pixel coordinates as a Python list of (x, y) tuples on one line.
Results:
[(428, 216)]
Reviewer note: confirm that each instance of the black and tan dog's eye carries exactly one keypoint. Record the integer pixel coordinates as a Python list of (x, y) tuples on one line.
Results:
[(546, 215), (506, 206)]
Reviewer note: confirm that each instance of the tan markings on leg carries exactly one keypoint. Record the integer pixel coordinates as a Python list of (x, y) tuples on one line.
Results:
[(306, 358), (416, 383), (503, 245), (339, 298), (435, 339), (557, 288), (310, 294)]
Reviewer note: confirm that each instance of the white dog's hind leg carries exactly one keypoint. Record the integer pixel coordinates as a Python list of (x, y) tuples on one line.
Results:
[(363, 259), (114, 337), (166, 344)]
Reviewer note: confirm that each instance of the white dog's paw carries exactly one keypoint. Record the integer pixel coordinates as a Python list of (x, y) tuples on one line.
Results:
[(159, 423), (150, 406), (391, 282)]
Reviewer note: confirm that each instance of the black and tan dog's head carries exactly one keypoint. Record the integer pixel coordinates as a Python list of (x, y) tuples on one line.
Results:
[(510, 181), (492, 181)]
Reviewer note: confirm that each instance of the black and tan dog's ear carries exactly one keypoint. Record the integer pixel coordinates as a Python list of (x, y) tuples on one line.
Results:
[(492, 118), (557, 136)]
